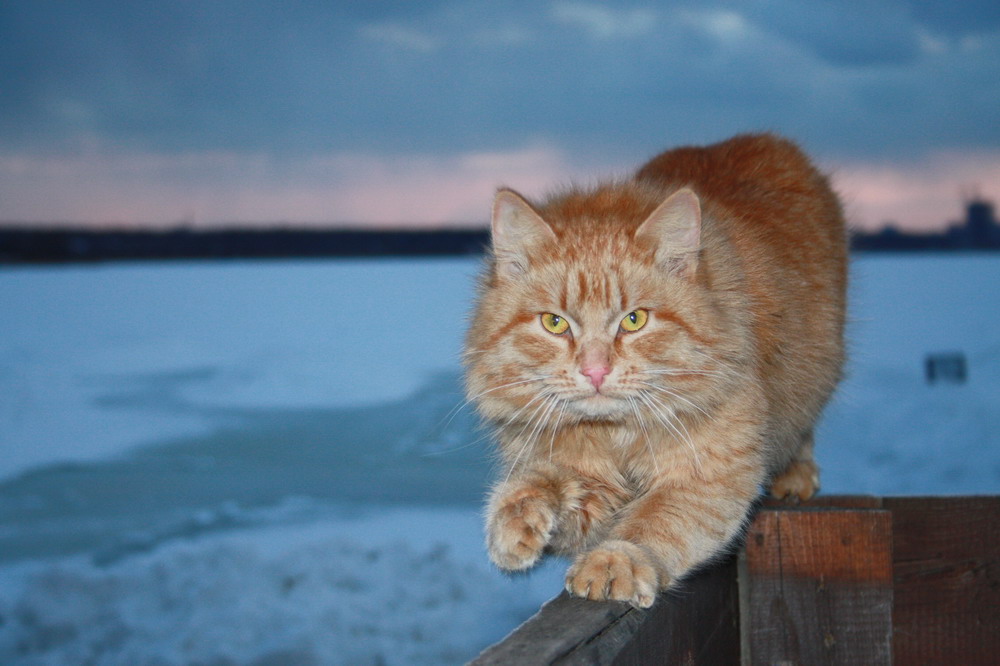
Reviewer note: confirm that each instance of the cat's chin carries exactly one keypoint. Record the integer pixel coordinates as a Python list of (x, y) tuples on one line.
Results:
[(600, 407)]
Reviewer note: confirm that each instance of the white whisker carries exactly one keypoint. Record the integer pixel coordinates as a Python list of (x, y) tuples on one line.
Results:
[(536, 430), (645, 433), (450, 416), (731, 368), (513, 417), (666, 417), (555, 427), (443, 452), (685, 371), (680, 397), (546, 402), (536, 378)]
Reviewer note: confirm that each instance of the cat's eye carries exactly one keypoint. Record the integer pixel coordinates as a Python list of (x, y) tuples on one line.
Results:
[(553, 323), (635, 320)]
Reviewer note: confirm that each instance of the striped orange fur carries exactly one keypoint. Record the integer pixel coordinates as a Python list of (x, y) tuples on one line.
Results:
[(639, 452)]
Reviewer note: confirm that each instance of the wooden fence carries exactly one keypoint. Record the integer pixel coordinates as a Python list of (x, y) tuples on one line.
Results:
[(837, 580)]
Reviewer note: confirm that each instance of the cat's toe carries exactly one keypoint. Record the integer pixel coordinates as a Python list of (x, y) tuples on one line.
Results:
[(799, 481), (519, 530), (615, 571)]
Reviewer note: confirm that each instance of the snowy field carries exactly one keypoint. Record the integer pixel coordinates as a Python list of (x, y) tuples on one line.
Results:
[(261, 462)]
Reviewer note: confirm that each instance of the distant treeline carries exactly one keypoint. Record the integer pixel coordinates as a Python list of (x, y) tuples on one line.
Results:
[(79, 245), (30, 245)]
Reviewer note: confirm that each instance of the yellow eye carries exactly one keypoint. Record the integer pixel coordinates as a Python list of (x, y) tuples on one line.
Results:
[(553, 323), (635, 320)]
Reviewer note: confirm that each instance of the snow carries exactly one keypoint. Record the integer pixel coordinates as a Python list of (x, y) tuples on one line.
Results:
[(364, 590), (250, 335), (268, 462), (889, 432)]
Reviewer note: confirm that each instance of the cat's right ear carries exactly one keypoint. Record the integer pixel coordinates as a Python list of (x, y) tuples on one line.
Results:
[(674, 231), (517, 231)]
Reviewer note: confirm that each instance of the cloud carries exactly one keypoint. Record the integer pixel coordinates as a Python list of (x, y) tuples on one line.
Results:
[(957, 19), (401, 36), (922, 195), (602, 22), (503, 35), (849, 76), (849, 33), (218, 188), (602, 82), (724, 25)]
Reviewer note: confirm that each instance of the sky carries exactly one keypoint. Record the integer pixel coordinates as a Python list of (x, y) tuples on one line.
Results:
[(398, 113)]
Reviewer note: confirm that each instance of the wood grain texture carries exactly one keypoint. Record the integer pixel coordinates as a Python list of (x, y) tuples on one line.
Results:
[(816, 588), (836, 580), (696, 624), (560, 626), (823, 502), (947, 580)]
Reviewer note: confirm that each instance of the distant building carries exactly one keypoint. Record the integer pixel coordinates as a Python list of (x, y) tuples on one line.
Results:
[(980, 228), (979, 231)]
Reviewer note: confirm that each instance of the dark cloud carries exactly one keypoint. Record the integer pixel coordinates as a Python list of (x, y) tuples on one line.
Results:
[(162, 74), (851, 33), (402, 77), (958, 19)]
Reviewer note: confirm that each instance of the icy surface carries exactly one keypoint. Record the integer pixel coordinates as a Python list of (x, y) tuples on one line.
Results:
[(262, 462), (889, 432), (393, 586)]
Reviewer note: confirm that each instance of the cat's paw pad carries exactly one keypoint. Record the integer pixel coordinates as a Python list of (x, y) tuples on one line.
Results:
[(519, 528), (616, 571), (799, 481)]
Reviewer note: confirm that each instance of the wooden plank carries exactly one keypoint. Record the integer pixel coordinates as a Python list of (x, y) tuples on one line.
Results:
[(947, 580), (559, 627), (825, 502), (816, 587), (696, 624)]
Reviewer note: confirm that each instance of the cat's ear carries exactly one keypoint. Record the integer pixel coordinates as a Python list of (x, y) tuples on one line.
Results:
[(674, 230), (517, 230)]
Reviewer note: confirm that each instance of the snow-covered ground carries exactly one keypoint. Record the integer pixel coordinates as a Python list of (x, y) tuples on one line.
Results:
[(262, 462)]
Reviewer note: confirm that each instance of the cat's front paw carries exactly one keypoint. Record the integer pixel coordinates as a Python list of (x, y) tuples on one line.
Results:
[(519, 526), (615, 570)]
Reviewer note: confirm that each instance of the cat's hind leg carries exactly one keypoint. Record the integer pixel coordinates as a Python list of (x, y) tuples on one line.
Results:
[(800, 479)]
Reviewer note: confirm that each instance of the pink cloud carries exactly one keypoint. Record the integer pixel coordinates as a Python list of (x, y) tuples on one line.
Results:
[(208, 189), (215, 188), (921, 196)]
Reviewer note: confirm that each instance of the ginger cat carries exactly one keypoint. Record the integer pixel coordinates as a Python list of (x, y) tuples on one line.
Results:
[(653, 352)]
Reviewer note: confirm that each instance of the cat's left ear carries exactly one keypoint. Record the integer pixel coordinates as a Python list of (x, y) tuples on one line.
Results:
[(517, 232), (674, 229)]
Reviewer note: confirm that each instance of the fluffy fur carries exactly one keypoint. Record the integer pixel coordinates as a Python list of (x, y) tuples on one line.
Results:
[(640, 453)]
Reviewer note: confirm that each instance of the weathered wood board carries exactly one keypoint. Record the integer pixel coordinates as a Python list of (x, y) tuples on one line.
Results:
[(947, 580), (836, 580), (695, 624), (816, 587)]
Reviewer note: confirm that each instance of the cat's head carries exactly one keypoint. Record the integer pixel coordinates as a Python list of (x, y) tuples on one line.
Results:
[(593, 308)]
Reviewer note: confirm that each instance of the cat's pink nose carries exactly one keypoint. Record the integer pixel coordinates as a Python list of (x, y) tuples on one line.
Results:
[(596, 374)]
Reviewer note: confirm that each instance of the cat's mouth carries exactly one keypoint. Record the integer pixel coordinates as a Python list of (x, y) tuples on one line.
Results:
[(599, 405)]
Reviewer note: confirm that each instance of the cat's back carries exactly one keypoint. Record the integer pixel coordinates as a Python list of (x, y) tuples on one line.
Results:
[(747, 157), (764, 183), (762, 194), (775, 228)]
